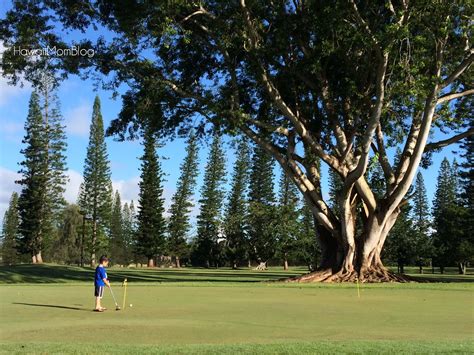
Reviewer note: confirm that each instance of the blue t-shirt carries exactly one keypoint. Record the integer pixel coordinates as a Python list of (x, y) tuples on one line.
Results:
[(100, 274)]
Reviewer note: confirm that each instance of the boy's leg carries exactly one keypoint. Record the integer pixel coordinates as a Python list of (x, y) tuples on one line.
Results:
[(97, 303)]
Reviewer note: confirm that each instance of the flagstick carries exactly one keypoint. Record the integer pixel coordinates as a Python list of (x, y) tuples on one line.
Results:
[(124, 292)]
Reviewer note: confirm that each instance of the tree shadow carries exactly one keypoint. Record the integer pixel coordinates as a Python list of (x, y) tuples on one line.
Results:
[(49, 306)]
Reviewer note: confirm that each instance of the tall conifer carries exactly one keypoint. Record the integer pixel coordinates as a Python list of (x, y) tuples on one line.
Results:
[(179, 225), (209, 222), (150, 236), (96, 194)]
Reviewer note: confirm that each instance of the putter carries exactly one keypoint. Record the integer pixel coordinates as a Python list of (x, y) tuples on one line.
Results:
[(117, 308)]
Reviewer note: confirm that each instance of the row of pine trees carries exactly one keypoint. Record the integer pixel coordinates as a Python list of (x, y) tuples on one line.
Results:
[(250, 223)]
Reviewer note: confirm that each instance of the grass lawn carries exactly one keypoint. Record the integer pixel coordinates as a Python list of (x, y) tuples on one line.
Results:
[(224, 311)]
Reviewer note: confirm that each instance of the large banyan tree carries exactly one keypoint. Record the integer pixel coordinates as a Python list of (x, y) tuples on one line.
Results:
[(342, 83)]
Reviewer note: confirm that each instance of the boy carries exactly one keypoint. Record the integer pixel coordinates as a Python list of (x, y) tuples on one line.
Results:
[(100, 281)]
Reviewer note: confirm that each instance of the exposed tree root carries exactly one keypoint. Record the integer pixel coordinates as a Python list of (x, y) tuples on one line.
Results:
[(369, 276)]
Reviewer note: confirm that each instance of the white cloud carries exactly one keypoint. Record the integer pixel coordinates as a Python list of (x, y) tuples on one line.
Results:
[(128, 189), (77, 119), (72, 188), (7, 187)]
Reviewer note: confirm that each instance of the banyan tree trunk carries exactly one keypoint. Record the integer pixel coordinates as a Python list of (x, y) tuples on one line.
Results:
[(346, 256)]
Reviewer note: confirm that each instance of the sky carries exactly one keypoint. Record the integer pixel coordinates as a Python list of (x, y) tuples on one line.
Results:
[(76, 97)]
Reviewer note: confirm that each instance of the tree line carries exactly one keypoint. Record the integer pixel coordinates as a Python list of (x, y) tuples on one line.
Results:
[(249, 224)]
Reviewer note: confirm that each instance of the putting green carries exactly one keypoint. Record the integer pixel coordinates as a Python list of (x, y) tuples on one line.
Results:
[(167, 314), (217, 317)]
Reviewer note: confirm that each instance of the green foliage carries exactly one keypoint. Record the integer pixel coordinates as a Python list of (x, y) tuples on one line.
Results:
[(95, 199), (34, 207), (207, 250), (401, 241), (288, 217), (11, 221), (129, 230), (421, 211), (263, 213), (151, 224), (117, 239), (181, 203), (68, 246), (235, 223)]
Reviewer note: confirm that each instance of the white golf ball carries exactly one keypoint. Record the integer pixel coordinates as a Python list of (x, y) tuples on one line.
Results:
[(131, 305)]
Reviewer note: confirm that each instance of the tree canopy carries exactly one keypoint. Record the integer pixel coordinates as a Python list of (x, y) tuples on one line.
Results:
[(342, 81)]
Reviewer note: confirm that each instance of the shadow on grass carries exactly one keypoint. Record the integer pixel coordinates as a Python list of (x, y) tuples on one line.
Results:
[(44, 274), (47, 274), (50, 306)]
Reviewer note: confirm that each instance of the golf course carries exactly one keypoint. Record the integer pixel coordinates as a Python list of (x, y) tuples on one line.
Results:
[(48, 309)]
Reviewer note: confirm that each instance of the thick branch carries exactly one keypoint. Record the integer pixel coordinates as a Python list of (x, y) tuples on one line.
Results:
[(459, 70), (361, 167), (455, 95), (446, 142)]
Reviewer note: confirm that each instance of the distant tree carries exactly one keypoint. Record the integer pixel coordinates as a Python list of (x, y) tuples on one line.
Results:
[(420, 211), (466, 181), (151, 224), (443, 205), (401, 244), (288, 216), (207, 249), (10, 232), (262, 210), (68, 247), (34, 203), (95, 198), (335, 188), (235, 223), (117, 242), (129, 230), (181, 203), (420, 214), (306, 247)]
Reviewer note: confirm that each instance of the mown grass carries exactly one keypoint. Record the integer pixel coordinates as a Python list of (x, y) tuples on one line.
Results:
[(224, 311), (50, 273)]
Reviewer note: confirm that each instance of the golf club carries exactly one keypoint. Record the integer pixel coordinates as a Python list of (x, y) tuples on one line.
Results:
[(117, 308)]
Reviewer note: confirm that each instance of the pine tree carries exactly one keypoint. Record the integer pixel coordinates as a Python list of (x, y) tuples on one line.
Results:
[(466, 182), (445, 194), (420, 212), (335, 188), (10, 232), (68, 246), (117, 243), (287, 226), (235, 223), (34, 207), (306, 247), (129, 230), (206, 251), (150, 236), (420, 216), (56, 143), (181, 204), (262, 211), (445, 211), (96, 194), (401, 241)]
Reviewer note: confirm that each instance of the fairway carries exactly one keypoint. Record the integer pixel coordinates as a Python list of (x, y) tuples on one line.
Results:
[(217, 316)]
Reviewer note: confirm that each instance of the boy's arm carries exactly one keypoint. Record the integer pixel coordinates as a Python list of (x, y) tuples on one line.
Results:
[(106, 282)]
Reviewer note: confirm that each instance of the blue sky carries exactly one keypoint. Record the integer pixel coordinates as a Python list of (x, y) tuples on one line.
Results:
[(76, 97)]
